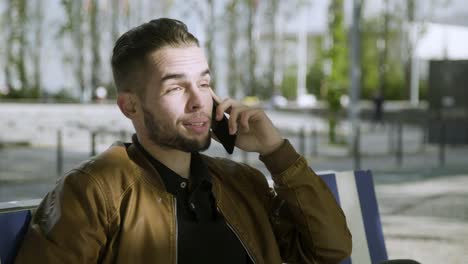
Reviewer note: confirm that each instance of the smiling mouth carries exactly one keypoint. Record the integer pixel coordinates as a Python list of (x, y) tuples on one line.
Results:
[(197, 127), (196, 124)]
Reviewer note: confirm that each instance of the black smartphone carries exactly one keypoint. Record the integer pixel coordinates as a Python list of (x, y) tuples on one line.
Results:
[(221, 130)]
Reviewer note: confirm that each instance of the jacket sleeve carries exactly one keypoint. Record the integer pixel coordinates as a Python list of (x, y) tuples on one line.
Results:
[(309, 224), (70, 225)]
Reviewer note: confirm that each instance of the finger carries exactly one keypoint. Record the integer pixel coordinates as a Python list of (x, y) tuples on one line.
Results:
[(225, 106), (234, 114), (216, 102), (216, 98), (234, 119), (244, 120)]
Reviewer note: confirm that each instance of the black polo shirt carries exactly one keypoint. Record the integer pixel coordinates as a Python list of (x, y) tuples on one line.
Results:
[(203, 236)]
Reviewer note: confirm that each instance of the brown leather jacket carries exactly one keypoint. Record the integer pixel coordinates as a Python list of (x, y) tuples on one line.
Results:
[(114, 209)]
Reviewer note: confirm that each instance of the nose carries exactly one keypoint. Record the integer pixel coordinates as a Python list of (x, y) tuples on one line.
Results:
[(195, 98)]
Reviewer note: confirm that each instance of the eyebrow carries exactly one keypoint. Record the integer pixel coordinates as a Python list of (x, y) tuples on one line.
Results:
[(181, 75)]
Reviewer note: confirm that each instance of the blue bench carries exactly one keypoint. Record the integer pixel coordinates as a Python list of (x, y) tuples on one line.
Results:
[(353, 190), (14, 220), (355, 193)]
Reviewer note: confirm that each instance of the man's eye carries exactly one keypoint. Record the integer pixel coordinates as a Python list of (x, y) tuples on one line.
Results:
[(205, 85), (174, 89)]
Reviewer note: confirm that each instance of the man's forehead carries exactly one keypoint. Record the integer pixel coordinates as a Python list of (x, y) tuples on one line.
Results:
[(179, 60)]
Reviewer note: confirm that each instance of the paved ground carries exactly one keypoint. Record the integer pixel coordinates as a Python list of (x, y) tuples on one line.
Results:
[(423, 204), (426, 220)]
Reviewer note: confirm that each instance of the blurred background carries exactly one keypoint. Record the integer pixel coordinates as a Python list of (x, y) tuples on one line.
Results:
[(363, 84)]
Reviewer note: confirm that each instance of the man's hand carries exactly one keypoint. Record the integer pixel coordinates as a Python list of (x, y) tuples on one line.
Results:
[(255, 131)]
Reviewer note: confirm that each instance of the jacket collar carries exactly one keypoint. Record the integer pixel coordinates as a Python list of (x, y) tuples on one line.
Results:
[(151, 174), (147, 170)]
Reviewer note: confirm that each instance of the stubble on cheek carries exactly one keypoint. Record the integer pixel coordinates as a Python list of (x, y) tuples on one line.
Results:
[(166, 135)]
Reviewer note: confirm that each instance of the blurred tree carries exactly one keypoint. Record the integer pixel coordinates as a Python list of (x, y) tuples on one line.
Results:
[(126, 12), (210, 30), (63, 96), (9, 38), (36, 47), (410, 35), (397, 40), (205, 13), (74, 28), (232, 38), (95, 35), (238, 31), (16, 22), (21, 27), (251, 83), (386, 43), (116, 15), (382, 47), (370, 56), (381, 72), (315, 75), (289, 83), (337, 80), (410, 16), (115, 8), (272, 16)]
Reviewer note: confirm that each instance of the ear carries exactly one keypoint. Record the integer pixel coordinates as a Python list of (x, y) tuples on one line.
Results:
[(127, 103)]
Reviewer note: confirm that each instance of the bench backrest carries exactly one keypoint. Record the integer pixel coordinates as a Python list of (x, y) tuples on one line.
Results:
[(355, 192), (14, 220)]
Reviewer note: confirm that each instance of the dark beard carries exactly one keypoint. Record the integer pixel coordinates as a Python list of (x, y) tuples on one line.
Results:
[(164, 137)]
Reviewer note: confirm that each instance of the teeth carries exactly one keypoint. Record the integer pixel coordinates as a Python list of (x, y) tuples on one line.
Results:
[(197, 124)]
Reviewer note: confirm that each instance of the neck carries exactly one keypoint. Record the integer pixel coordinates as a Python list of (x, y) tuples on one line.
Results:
[(174, 159)]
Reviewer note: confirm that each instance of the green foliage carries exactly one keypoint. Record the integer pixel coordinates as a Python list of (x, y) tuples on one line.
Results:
[(263, 88), (423, 89), (25, 93), (333, 98), (314, 80), (337, 82), (69, 25), (369, 58), (394, 82), (315, 75), (289, 84), (338, 53), (394, 75), (64, 96)]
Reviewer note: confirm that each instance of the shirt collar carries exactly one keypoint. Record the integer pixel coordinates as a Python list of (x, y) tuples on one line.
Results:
[(200, 178)]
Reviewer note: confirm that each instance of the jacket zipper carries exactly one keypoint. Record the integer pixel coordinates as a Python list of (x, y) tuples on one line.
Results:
[(238, 237), (176, 228)]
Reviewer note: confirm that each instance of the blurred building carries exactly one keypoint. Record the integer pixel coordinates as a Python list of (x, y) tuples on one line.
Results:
[(448, 101)]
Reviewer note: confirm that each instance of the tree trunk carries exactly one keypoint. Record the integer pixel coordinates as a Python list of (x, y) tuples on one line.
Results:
[(231, 47), (332, 127), (251, 82), (9, 45), (37, 47), (210, 47), (22, 41), (115, 8), (273, 14), (337, 80), (95, 46), (383, 51), (78, 36), (410, 4)]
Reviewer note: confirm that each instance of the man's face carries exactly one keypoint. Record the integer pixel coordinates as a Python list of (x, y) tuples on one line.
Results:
[(177, 103)]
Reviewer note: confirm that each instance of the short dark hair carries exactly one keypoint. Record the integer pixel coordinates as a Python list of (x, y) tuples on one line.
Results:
[(129, 58)]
